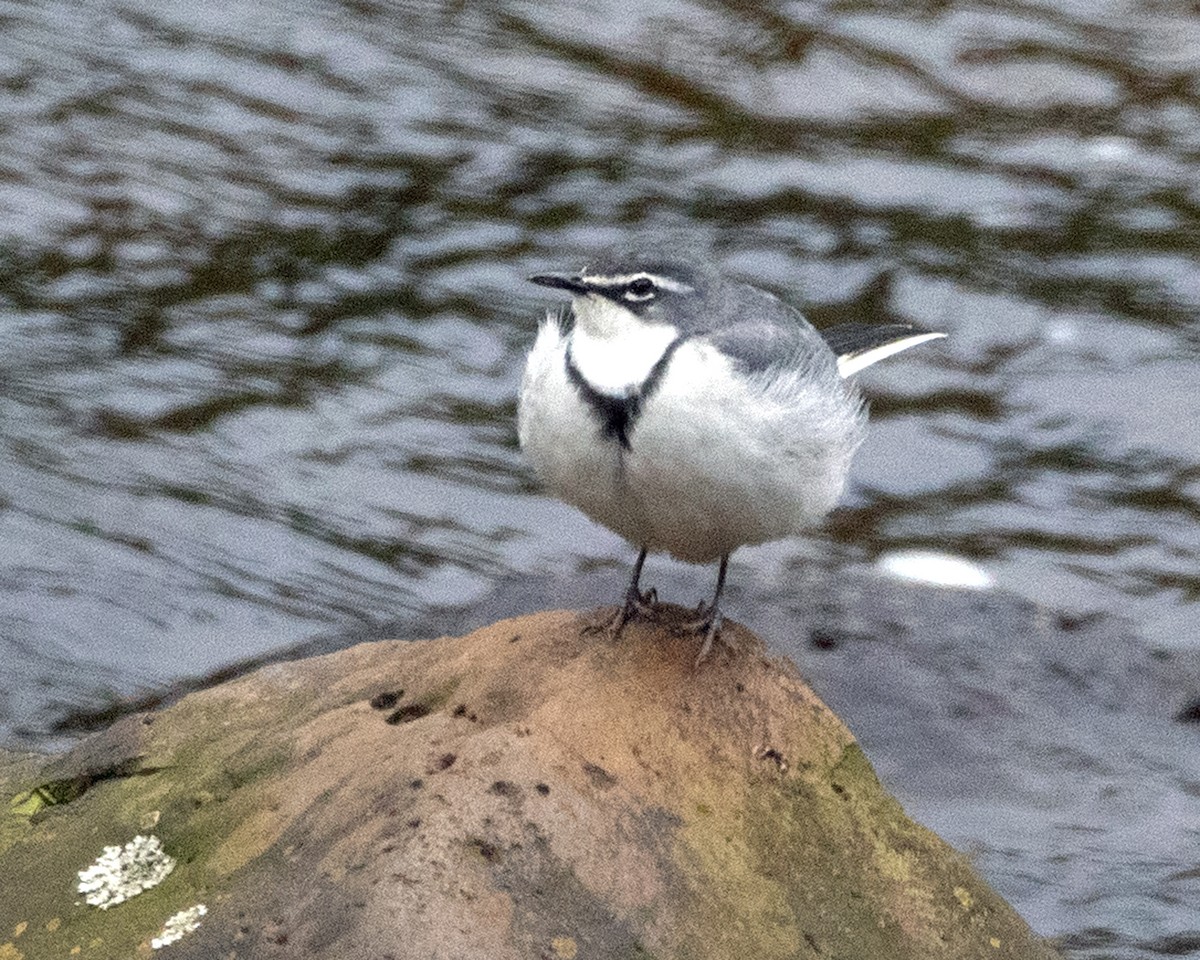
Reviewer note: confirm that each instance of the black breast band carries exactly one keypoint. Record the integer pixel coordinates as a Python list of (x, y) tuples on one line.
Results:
[(619, 415)]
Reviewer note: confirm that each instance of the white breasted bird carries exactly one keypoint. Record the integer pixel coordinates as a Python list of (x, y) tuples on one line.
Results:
[(691, 413)]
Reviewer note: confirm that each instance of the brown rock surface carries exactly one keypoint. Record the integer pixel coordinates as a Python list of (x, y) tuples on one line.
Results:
[(520, 792)]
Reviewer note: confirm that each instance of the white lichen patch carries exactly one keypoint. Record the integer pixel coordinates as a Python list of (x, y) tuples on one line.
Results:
[(123, 872), (184, 922)]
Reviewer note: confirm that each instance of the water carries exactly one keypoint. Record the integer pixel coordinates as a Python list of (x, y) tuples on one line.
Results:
[(262, 318)]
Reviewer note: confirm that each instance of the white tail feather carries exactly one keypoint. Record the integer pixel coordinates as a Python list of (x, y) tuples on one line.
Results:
[(850, 363)]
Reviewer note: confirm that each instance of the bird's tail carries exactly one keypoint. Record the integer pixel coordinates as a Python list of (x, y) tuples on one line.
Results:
[(859, 345)]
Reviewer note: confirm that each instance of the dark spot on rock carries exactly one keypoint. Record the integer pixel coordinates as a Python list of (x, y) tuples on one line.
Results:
[(489, 851), (1190, 712), (408, 713), (416, 784), (504, 788), (445, 761), (599, 776), (739, 687), (543, 789), (1158, 653), (385, 701), (147, 720), (773, 755), (823, 639), (414, 822), (473, 718), (515, 638), (460, 710), (838, 789)]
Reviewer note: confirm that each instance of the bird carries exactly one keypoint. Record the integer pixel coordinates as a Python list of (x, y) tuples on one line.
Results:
[(692, 413)]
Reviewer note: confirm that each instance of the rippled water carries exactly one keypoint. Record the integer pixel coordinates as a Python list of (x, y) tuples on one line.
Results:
[(262, 317)]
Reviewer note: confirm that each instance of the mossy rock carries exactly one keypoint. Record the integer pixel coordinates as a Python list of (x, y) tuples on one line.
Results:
[(523, 791)]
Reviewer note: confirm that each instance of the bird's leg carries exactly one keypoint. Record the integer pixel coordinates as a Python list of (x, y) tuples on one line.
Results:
[(644, 602), (636, 603), (711, 619)]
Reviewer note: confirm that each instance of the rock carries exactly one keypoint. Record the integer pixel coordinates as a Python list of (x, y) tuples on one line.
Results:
[(524, 791)]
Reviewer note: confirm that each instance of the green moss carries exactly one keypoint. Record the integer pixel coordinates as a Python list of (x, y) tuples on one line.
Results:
[(734, 909), (784, 869), (49, 857), (797, 836), (853, 769), (256, 763), (191, 841), (74, 824)]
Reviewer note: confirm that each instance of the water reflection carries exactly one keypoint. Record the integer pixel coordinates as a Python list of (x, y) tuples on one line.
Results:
[(261, 318)]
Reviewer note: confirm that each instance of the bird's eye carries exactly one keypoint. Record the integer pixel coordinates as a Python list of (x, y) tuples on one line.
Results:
[(640, 289)]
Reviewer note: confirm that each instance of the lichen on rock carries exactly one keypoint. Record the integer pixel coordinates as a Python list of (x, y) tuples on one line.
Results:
[(179, 925), (120, 873)]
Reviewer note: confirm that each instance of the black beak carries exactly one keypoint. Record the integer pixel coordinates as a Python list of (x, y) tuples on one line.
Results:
[(560, 281)]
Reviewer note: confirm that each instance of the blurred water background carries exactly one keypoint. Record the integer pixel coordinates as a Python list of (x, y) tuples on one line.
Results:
[(262, 320)]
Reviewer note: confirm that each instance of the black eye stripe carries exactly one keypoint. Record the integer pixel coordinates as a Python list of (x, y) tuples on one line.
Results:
[(643, 288), (635, 290)]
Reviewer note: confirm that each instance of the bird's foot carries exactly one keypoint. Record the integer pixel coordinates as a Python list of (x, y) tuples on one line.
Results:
[(637, 605), (709, 624)]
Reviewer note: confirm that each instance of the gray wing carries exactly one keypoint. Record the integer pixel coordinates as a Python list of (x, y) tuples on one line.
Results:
[(849, 339), (756, 347), (759, 333)]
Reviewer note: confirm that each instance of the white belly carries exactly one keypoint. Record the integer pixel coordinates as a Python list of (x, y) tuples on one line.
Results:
[(714, 462)]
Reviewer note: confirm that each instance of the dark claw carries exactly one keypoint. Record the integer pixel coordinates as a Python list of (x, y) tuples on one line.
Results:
[(711, 620), (637, 604), (709, 624), (711, 633)]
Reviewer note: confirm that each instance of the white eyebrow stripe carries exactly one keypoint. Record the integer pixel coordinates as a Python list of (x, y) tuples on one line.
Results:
[(621, 279)]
